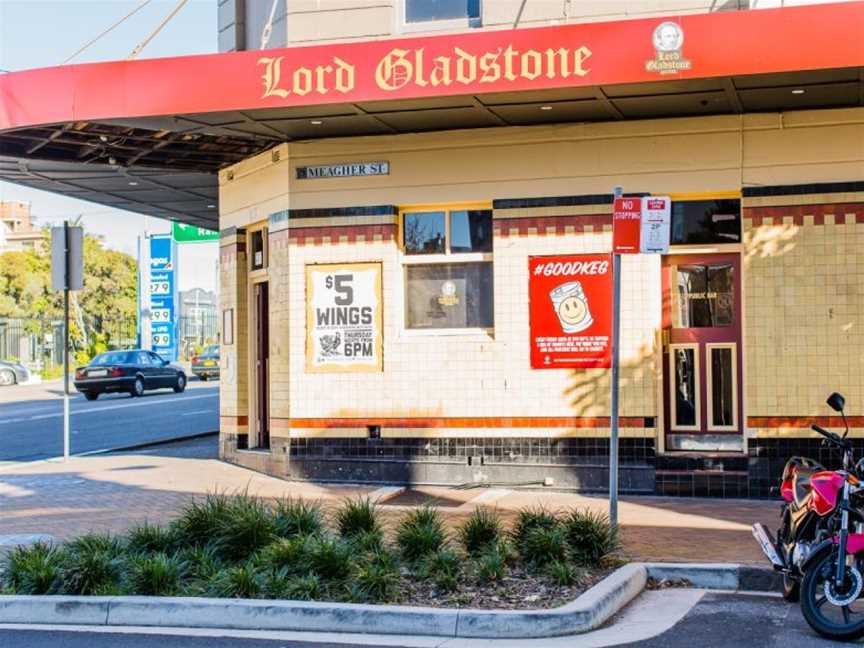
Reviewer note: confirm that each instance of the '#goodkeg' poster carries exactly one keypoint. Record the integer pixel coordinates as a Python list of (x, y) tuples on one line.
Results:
[(570, 311)]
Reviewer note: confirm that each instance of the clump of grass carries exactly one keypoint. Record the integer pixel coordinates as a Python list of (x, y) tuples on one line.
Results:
[(240, 581), (330, 559), (304, 588), (375, 580), (562, 573), (201, 562), (201, 520), (490, 566), (34, 569), (247, 526), (150, 538), (296, 517), (291, 555), (532, 518), (156, 574), (591, 536), (480, 531), (443, 567), (542, 545), (356, 517), (94, 565), (369, 542), (420, 533)]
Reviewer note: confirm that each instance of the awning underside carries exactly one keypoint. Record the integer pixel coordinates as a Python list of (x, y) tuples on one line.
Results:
[(166, 166)]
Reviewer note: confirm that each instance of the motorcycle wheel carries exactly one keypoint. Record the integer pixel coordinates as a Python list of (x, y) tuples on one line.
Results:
[(791, 588), (841, 623)]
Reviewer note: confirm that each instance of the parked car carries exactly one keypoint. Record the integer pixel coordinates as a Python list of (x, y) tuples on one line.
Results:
[(12, 373), (206, 364), (132, 371)]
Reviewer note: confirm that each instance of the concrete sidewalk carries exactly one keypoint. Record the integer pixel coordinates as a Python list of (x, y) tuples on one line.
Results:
[(112, 492)]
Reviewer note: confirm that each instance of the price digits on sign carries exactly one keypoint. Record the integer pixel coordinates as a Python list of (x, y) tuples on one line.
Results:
[(345, 292), (159, 288), (161, 339)]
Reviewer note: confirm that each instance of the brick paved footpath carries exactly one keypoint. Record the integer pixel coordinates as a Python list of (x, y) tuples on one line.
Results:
[(112, 492)]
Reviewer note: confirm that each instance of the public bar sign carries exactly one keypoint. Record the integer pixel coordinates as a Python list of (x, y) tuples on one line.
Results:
[(626, 224), (344, 317), (346, 170), (570, 311)]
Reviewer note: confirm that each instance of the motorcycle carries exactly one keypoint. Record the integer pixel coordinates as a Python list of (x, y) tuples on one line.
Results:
[(830, 565), (806, 517)]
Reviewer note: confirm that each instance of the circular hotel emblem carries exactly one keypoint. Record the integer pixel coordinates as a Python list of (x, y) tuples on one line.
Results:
[(668, 37), (668, 41), (448, 294)]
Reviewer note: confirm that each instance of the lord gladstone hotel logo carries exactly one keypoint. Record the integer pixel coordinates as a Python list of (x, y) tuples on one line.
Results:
[(420, 68), (668, 40)]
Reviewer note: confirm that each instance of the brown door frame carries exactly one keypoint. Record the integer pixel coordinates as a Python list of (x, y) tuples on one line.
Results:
[(261, 362), (702, 337)]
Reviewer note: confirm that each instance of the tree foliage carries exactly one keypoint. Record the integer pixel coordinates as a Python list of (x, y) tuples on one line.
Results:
[(109, 283)]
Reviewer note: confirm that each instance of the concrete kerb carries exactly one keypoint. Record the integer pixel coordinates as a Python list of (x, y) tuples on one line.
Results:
[(588, 612)]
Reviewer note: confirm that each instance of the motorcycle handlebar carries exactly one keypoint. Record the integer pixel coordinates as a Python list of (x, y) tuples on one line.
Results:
[(833, 438)]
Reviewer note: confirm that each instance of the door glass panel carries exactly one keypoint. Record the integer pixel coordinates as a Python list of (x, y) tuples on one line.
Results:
[(722, 387), (684, 395), (703, 296)]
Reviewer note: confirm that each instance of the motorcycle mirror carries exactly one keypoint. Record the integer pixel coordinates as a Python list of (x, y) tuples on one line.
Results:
[(836, 402)]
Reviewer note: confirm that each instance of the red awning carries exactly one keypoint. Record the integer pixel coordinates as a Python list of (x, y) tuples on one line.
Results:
[(175, 121)]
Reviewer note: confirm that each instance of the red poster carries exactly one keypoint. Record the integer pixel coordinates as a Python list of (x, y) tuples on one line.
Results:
[(570, 311), (626, 224)]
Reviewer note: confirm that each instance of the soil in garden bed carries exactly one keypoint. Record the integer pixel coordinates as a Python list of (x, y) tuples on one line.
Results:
[(519, 590)]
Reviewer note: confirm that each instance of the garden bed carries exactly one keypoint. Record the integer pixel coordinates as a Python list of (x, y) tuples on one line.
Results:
[(245, 547)]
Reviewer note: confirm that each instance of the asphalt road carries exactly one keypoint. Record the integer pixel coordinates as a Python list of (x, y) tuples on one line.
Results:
[(717, 621), (31, 419)]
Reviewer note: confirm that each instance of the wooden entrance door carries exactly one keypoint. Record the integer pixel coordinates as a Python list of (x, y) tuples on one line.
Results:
[(262, 364), (702, 352)]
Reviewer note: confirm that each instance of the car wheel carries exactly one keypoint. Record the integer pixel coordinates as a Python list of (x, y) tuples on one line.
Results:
[(91, 396), (181, 384), (202, 378), (137, 387), (7, 378)]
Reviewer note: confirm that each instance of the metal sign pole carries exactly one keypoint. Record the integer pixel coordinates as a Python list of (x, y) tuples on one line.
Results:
[(68, 274), (613, 419)]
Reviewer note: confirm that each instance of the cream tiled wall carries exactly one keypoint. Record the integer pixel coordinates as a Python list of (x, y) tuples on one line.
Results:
[(434, 375), (804, 299)]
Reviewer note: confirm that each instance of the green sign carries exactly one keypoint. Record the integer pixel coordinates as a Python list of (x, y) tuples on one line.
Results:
[(191, 234)]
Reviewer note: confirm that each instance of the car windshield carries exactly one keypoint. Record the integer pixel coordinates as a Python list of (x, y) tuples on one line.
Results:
[(213, 349), (115, 357)]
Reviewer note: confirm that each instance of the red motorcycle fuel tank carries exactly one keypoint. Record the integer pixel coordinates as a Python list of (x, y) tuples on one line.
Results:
[(826, 489)]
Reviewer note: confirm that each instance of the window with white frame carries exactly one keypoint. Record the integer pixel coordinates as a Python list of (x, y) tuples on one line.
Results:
[(447, 257), (421, 13)]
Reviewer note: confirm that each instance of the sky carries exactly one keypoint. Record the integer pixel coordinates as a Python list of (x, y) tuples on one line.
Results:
[(41, 33)]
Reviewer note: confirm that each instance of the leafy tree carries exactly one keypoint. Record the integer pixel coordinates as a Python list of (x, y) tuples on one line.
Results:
[(109, 291)]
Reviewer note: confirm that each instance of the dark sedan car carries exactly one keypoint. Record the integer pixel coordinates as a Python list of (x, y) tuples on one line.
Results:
[(12, 373), (206, 364), (132, 372)]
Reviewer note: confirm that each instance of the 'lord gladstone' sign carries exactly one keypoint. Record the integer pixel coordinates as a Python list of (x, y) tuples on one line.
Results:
[(343, 317), (347, 170)]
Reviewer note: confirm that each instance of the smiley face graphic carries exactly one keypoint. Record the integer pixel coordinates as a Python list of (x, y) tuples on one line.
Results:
[(572, 310)]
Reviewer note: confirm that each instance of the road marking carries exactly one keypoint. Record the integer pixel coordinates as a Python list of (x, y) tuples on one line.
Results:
[(207, 411), (98, 410)]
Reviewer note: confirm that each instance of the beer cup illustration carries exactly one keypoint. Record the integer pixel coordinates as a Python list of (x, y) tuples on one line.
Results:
[(571, 305)]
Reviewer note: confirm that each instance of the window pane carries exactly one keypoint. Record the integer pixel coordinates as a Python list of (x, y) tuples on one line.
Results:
[(449, 295), (722, 396), (426, 10), (704, 296), (257, 252), (685, 387), (706, 221), (424, 233), (471, 231)]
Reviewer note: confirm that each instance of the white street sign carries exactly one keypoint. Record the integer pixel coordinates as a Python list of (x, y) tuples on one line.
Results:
[(656, 226)]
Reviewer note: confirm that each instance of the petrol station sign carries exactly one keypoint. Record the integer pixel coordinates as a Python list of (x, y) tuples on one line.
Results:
[(163, 296)]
